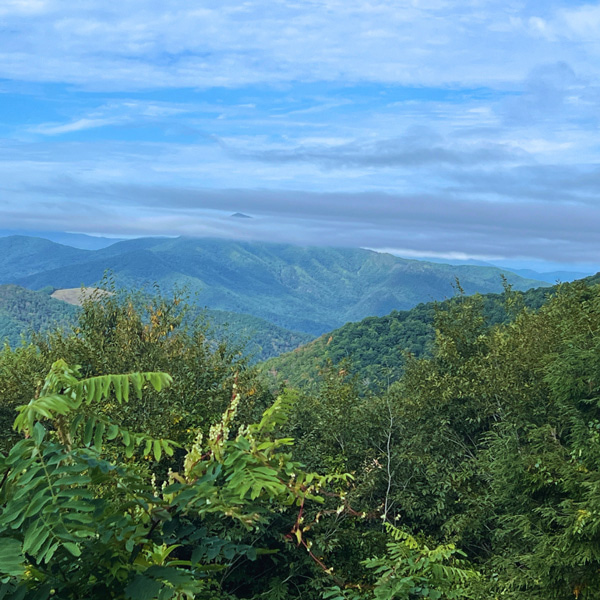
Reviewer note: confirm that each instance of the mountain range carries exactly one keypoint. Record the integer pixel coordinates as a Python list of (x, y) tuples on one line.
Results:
[(305, 289)]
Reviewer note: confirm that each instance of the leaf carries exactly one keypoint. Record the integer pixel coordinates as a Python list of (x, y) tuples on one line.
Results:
[(73, 548), (98, 435), (157, 450), (35, 536), (38, 433), (143, 588), (11, 557), (126, 437), (118, 385), (148, 448), (88, 431)]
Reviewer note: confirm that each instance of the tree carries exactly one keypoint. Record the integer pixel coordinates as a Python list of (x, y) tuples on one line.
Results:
[(81, 518)]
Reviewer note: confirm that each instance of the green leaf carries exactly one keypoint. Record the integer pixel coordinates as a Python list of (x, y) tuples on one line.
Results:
[(112, 433), (38, 433), (73, 548), (148, 447), (157, 450), (98, 435), (143, 588), (11, 557), (88, 431), (35, 536)]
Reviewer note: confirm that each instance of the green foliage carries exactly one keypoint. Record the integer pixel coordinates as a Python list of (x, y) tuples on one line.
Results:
[(128, 484), (81, 521), (121, 334), (490, 444), (376, 348), (259, 339), (411, 570), (23, 312)]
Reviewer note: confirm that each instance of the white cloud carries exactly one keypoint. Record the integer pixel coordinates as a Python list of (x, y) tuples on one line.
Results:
[(583, 22), (78, 125), (143, 44)]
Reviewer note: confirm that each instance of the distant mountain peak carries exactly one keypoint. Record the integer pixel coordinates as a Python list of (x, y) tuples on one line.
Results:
[(239, 215)]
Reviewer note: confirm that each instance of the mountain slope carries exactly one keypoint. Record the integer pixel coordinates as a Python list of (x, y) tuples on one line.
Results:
[(75, 240), (304, 289), (22, 256), (375, 347), (23, 311)]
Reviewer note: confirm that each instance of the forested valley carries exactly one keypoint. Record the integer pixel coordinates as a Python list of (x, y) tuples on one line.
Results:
[(142, 459)]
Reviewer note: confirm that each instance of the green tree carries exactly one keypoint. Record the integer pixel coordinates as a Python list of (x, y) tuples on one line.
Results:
[(82, 519), (121, 333)]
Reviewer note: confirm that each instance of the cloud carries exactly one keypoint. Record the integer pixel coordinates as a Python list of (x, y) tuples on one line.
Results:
[(78, 125), (418, 148), (430, 125), (137, 44), (561, 232)]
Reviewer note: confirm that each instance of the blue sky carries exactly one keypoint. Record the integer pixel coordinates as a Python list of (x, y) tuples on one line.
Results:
[(431, 128)]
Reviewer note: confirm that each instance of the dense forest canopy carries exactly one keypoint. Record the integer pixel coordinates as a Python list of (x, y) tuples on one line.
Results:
[(376, 347), (473, 475)]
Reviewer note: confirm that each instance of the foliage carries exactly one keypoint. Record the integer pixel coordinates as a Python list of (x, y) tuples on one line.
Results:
[(376, 348), (23, 312), (490, 444), (411, 570), (123, 333), (79, 520), (487, 442)]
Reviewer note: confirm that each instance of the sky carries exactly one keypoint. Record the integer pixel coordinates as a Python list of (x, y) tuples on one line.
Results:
[(433, 129)]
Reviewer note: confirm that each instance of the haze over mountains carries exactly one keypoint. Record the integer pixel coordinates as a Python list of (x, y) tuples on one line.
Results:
[(76, 240), (307, 289)]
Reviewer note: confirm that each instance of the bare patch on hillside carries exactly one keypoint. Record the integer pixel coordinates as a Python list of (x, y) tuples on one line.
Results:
[(77, 296)]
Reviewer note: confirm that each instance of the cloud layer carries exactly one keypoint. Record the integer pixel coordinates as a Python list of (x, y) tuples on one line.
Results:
[(429, 126)]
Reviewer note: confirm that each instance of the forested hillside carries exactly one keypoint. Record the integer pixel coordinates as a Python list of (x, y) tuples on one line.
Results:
[(375, 349), (306, 289), (23, 312), (474, 475)]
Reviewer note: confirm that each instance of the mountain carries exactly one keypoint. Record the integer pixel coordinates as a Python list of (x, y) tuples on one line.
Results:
[(22, 256), (260, 339), (547, 276), (23, 311), (550, 276), (303, 289), (375, 347), (75, 240)]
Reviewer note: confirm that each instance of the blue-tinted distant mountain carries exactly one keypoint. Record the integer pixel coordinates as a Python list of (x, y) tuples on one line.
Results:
[(311, 290), (75, 240), (551, 276), (22, 256)]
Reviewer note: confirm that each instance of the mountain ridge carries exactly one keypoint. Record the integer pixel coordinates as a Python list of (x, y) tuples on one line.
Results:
[(308, 289)]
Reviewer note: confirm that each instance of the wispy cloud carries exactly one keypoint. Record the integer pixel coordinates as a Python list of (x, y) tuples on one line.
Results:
[(133, 44)]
